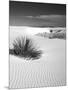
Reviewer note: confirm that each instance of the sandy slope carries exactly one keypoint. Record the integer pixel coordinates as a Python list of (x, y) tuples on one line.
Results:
[(49, 70)]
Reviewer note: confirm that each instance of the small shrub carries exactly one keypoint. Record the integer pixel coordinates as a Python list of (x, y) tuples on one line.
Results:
[(23, 47)]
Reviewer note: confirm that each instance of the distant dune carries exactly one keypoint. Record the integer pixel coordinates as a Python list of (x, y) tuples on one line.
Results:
[(54, 33)]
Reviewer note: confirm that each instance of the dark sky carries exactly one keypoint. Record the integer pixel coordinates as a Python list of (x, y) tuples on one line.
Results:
[(36, 14)]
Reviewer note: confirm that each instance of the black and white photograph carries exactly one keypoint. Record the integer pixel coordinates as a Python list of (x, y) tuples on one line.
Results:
[(37, 44)]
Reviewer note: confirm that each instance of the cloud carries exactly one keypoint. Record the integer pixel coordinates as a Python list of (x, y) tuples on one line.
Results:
[(47, 16), (51, 20), (39, 20)]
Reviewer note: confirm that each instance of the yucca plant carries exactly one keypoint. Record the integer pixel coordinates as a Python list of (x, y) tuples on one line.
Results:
[(23, 47)]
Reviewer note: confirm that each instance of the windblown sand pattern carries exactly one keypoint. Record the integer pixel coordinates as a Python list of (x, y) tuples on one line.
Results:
[(47, 71)]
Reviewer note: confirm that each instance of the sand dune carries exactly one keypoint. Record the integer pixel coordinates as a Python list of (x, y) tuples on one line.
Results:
[(49, 70)]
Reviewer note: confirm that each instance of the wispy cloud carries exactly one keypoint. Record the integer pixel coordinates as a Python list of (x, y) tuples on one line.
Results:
[(47, 16), (40, 20)]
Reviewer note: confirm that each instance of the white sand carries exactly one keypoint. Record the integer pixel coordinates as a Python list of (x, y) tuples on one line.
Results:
[(49, 70)]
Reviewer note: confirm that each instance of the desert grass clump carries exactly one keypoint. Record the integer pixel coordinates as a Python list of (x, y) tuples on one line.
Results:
[(24, 47)]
